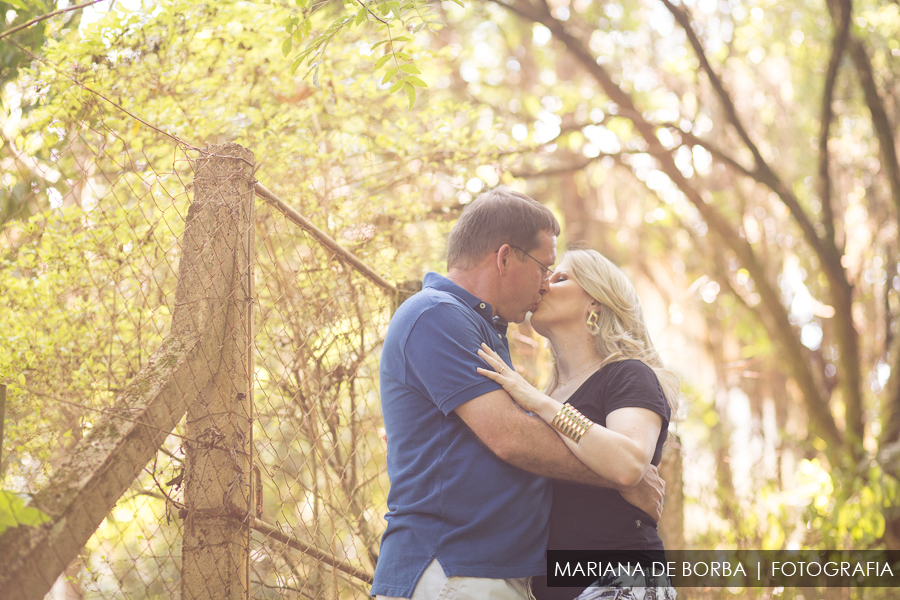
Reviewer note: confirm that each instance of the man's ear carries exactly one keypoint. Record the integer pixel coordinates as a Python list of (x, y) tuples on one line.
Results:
[(503, 257)]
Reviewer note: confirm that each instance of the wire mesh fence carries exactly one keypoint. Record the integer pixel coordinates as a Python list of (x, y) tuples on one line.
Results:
[(192, 401), (87, 297), (317, 435)]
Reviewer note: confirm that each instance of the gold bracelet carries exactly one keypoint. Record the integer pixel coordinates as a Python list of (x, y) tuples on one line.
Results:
[(571, 423), (582, 423)]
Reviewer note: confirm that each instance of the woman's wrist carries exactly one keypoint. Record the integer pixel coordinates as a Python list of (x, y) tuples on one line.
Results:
[(548, 408)]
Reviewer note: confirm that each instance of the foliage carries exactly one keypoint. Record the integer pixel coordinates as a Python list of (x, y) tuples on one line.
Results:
[(30, 39), (14, 512), (16, 52), (396, 22)]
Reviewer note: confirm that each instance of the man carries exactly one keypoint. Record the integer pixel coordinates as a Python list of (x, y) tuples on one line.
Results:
[(469, 499)]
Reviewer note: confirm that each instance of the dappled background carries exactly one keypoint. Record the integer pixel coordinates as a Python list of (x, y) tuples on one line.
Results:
[(737, 159)]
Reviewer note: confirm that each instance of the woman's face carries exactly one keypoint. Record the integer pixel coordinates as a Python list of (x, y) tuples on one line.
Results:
[(566, 303)]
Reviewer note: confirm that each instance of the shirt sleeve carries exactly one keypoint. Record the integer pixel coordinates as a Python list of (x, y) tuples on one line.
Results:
[(441, 356), (633, 384)]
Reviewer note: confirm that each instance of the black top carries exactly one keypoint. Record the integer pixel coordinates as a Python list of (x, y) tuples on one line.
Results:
[(584, 517)]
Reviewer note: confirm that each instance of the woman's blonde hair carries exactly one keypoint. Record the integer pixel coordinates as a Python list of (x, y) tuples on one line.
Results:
[(620, 332)]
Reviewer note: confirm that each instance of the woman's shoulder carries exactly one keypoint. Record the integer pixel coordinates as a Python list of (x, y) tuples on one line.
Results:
[(632, 382), (630, 367)]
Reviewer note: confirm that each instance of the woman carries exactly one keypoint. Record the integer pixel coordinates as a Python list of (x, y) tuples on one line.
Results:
[(610, 399)]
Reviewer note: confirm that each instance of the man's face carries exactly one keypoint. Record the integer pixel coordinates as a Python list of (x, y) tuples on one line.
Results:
[(527, 279)]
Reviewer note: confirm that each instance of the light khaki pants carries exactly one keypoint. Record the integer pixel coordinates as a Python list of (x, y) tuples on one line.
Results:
[(435, 585)]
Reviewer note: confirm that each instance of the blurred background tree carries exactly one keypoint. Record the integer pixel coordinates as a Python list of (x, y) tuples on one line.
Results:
[(739, 158)]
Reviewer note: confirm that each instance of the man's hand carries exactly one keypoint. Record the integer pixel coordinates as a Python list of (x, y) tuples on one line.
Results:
[(648, 494)]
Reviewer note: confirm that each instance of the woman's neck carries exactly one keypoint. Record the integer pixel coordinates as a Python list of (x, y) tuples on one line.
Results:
[(576, 353)]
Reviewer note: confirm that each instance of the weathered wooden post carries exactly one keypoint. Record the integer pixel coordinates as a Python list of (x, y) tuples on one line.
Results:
[(215, 545)]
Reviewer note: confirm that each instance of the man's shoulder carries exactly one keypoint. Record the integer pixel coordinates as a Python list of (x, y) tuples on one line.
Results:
[(436, 304)]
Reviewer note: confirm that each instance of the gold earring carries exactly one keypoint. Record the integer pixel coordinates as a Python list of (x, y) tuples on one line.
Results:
[(593, 318)]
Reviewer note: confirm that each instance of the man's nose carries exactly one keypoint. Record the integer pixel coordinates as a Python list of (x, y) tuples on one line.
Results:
[(545, 286)]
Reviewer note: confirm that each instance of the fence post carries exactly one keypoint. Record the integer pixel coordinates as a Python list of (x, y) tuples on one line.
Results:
[(215, 544)]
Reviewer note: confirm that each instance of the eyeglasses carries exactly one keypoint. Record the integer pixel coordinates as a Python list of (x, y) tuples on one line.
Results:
[(547, 271)]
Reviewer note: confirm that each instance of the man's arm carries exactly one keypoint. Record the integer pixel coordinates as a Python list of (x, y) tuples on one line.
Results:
[(532, 445)]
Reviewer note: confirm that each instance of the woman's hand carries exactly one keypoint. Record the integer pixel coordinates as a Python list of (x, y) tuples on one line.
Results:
[(515, 385)]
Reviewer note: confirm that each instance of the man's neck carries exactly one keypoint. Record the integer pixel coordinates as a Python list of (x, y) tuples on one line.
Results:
[(477, 282)]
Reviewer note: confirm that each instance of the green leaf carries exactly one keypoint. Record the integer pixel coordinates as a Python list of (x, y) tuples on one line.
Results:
[(416, 81), (361, 16), (397, 86), (402, 38), (297, 62), (383, 61), (14, 512), (21, 379), (286, 46), (411, 94), (389, 75), (411, 69), (404, 56)]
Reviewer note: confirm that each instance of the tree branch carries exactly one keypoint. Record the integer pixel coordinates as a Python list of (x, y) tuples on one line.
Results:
[(841, 35), (829, 257), (881, 124), (683, 18), (571, 168), (716, 152), (9, 32)]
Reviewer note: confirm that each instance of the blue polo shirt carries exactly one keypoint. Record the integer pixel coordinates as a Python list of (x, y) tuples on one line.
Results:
[(451, 498)]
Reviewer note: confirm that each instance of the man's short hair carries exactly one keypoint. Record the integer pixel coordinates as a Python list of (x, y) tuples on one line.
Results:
[(496, 217)]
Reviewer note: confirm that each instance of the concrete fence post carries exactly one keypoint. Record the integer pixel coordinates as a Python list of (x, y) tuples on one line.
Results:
[(215, 541)]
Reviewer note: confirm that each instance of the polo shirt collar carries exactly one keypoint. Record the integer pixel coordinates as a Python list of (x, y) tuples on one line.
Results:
[(441, 283)]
